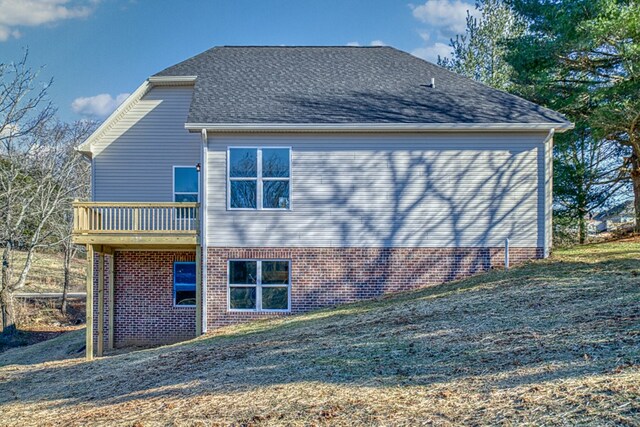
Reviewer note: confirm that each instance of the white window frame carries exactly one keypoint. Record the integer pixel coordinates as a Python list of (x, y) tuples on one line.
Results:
[(259, 178), (258, 285), (174, 284), (173, 183)]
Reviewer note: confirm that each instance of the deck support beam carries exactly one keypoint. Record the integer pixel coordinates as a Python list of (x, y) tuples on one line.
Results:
[(100, 346), (112, 299), (198, 291), (89, 304)]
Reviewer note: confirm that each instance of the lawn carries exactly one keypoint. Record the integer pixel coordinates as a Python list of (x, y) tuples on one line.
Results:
[(47, 272), (555, 342)]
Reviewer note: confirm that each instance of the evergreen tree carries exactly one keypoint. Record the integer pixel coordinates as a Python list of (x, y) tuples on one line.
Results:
[(582, 58), (480, 52)]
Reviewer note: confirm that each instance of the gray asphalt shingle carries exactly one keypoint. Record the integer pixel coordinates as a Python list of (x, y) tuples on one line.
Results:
[(258, 84)]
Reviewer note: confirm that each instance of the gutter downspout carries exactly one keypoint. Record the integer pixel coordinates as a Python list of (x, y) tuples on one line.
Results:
[(203, 226), (548, 166)]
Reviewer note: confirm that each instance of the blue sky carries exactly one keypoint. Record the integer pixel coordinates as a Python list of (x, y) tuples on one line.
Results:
[(98, 51)]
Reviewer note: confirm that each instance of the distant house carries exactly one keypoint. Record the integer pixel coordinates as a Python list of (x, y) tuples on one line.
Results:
[(248, 182), (620, 215)]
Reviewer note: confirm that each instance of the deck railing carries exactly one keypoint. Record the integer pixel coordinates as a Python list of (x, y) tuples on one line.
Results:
[(132, 218)]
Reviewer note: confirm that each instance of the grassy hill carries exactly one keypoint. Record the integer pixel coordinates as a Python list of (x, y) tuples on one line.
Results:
[(47, 272), (555, 342)]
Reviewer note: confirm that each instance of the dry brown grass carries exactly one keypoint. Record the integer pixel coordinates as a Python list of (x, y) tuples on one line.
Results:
[(46, 274), (555, 342)]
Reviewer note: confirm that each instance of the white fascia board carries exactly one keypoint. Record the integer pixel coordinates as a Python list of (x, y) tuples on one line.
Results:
[(171, 80), (86, 147), (377, 127)]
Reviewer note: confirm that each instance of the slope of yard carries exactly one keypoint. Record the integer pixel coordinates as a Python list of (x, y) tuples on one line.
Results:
[(40, 319), (555, 342), (47, 272)]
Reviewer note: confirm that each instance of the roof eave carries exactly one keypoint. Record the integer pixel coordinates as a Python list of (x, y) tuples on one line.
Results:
[(379, 127)]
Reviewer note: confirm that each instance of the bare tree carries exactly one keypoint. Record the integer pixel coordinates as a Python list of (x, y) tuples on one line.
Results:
[(24, 111), (71, 135), (41, 176)]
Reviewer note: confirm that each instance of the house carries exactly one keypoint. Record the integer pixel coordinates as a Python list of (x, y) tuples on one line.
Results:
[(614, 218), (248, 182)]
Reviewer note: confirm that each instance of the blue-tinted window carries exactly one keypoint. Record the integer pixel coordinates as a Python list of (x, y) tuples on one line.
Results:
[(259, 178), (185, 180), (186, 198), (275, 194), (275, 163), (243, 162), (184, 283), (243, 194)]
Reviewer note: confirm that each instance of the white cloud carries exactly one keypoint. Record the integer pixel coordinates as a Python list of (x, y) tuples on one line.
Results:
[(449, 16), (31, 13), (98, 106), (353, 44), (430, 53)]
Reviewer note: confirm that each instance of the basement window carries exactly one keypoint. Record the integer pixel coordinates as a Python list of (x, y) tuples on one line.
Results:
[(184, 284), (259, 178), (259, 285)]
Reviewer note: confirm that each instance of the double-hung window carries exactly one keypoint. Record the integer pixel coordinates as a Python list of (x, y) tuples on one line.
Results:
[(259, 178), (184, 283), (259, 285)]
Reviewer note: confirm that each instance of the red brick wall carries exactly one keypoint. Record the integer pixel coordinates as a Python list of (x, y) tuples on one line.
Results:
[(321, 277), (324, 277), (144, 311)]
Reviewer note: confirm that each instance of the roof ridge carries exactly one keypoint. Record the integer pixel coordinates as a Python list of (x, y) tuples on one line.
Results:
[(300, 46)]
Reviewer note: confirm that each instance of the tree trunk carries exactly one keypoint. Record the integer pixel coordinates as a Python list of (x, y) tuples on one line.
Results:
[(8, 314), (67, 275), (635, 179), (581, 200), (582, 228)]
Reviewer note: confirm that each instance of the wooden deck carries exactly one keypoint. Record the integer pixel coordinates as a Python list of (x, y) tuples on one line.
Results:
[(105, 227), (123, 224)]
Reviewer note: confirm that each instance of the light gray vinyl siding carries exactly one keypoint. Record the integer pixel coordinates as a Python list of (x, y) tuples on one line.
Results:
[(133, 161), (435, 190)]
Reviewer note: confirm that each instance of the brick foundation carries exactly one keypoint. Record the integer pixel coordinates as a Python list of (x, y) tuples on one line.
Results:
[(144, 312), (322, 277)]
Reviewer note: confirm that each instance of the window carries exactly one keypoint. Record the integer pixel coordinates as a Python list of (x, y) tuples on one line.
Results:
[(184, 283), (259, 285), (185, 188), (259, 178)]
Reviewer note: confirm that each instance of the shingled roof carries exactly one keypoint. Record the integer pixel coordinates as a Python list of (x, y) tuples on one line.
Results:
[(342, 85)]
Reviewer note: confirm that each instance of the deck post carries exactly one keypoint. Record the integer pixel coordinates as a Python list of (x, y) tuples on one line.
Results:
[(198, 290), (89, 304), (112, 299), (100, 347)]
